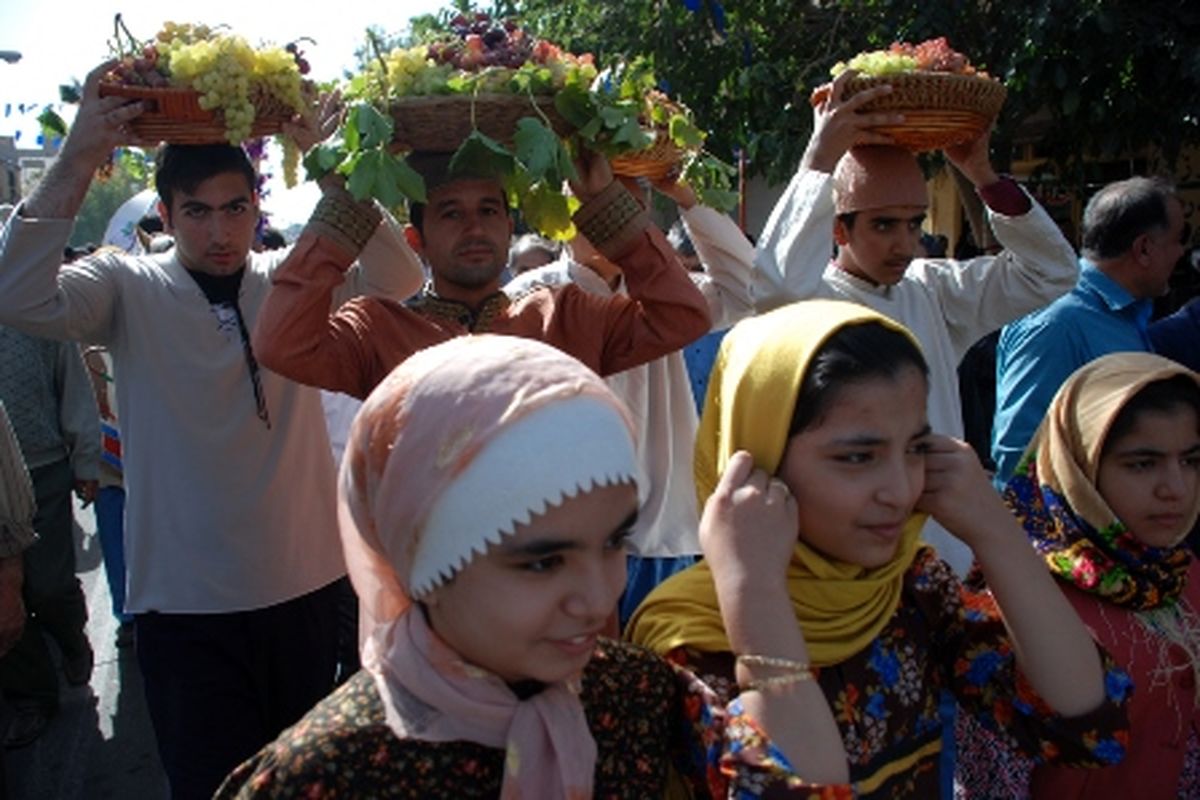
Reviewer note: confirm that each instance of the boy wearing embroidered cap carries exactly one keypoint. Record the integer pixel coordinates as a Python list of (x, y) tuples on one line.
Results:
[(858, 192), (484, 588), (463, 233)]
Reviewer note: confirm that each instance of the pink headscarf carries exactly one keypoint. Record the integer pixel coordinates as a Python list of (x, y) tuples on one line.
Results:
[(424, 490)]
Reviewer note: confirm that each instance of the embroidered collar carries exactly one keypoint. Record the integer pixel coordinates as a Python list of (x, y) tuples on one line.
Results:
[(476, 320)]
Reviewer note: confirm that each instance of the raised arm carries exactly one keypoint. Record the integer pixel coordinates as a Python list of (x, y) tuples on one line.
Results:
[(100, 126), (723, 250), (663, 311), (797, 242), (1053, 648), (747, 531), (34, 296), (1036, 266)]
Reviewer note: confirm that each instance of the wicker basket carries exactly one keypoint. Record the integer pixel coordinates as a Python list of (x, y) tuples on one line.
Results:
[(940, 109), (439, 124), (175, 116), (655, 162)]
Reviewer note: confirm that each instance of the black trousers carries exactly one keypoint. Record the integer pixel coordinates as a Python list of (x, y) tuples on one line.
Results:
[(53, 598), (220, 686)]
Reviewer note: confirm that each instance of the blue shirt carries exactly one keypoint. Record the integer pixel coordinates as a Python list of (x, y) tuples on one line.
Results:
[(1040, 351), (1178, 336)]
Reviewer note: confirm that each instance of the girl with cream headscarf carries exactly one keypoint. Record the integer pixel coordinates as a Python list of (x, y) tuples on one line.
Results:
[(1107, 490), (486, 492), (825, 401)]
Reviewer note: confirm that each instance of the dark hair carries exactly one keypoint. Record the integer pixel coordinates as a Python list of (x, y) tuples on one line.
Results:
[(855, 353), (272, 239), (847, 218), (150, 223), (1121, 212), (183, 167), (416, 216), (1167, 394)]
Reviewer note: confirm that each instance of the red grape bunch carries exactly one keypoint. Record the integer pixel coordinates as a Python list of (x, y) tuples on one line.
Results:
[(483, 42), (140, 70)]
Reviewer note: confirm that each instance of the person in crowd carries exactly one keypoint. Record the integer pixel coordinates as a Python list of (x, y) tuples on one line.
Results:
[(485, 590), (16, 536), (231, 565), (45, 388), (529, 251), (1177, 336), (824, 401), (17, 507), (110, 497), (658, 394), (872, 199), (1132, 237), (1107, 491), (463, 232)]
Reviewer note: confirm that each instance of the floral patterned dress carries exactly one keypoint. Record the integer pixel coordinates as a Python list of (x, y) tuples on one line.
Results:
[(655, 727), (885, 698)]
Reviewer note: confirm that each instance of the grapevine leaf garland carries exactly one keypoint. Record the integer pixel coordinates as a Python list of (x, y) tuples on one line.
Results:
[(618, 113)]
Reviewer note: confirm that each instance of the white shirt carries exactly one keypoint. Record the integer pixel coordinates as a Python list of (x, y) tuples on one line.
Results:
[(948, 305), (223, 514), (659, 394)]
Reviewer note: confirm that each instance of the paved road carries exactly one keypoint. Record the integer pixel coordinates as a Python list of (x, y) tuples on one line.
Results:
[(100, 745)]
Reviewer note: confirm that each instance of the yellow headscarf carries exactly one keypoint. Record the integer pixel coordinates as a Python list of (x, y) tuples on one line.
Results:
[(751, 397)]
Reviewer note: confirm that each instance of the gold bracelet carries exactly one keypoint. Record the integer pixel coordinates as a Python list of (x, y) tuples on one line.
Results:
[(776, 681), (752, 660)]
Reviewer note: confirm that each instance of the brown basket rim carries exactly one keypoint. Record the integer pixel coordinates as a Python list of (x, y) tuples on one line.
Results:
[(182, 121), (916, 89), (437, 123)]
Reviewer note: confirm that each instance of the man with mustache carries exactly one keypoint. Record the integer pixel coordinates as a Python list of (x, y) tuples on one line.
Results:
[(463, 233), (856, 191)]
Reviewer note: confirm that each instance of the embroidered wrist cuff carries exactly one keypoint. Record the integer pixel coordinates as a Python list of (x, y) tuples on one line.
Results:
[(612, 220), (345, 220)]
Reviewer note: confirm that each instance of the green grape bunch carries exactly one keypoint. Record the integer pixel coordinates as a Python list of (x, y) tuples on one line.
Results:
[(234, 79)]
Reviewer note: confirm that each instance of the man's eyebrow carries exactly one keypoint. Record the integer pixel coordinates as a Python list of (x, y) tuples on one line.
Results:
[(237, 201)]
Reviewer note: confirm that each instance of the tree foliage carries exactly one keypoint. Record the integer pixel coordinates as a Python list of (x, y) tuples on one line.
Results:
[(130, 173), (1085, 77)]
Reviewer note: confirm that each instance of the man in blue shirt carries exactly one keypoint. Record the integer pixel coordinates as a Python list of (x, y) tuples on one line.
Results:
[(1132, 237)]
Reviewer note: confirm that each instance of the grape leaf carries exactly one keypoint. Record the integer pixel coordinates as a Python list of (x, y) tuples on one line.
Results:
[(379, 174), (684, 133), (322, 159), (406, 179), (548, 210), (630, 133), (374, 128), (480, 155), (541, 152), (575, 105)]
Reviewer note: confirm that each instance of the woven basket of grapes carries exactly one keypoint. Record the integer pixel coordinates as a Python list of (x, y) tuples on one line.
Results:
[(203, 85), (439, 124), (944, 100), (175, 116), (655, 162)]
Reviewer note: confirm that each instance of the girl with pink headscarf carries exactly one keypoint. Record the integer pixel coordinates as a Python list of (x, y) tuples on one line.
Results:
[(486, 492)]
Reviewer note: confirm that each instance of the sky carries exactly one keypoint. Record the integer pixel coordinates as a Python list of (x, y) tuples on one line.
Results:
[(62, 41)]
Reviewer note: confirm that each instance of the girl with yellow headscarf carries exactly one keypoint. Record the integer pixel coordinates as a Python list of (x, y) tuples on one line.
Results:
[(815, 465), (1107, 491)]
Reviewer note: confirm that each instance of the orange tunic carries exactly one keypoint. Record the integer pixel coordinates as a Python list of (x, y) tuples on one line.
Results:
[(353, 349)]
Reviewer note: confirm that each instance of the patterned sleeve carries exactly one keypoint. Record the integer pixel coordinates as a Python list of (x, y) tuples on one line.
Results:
[(727, 755), (981, 670)]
